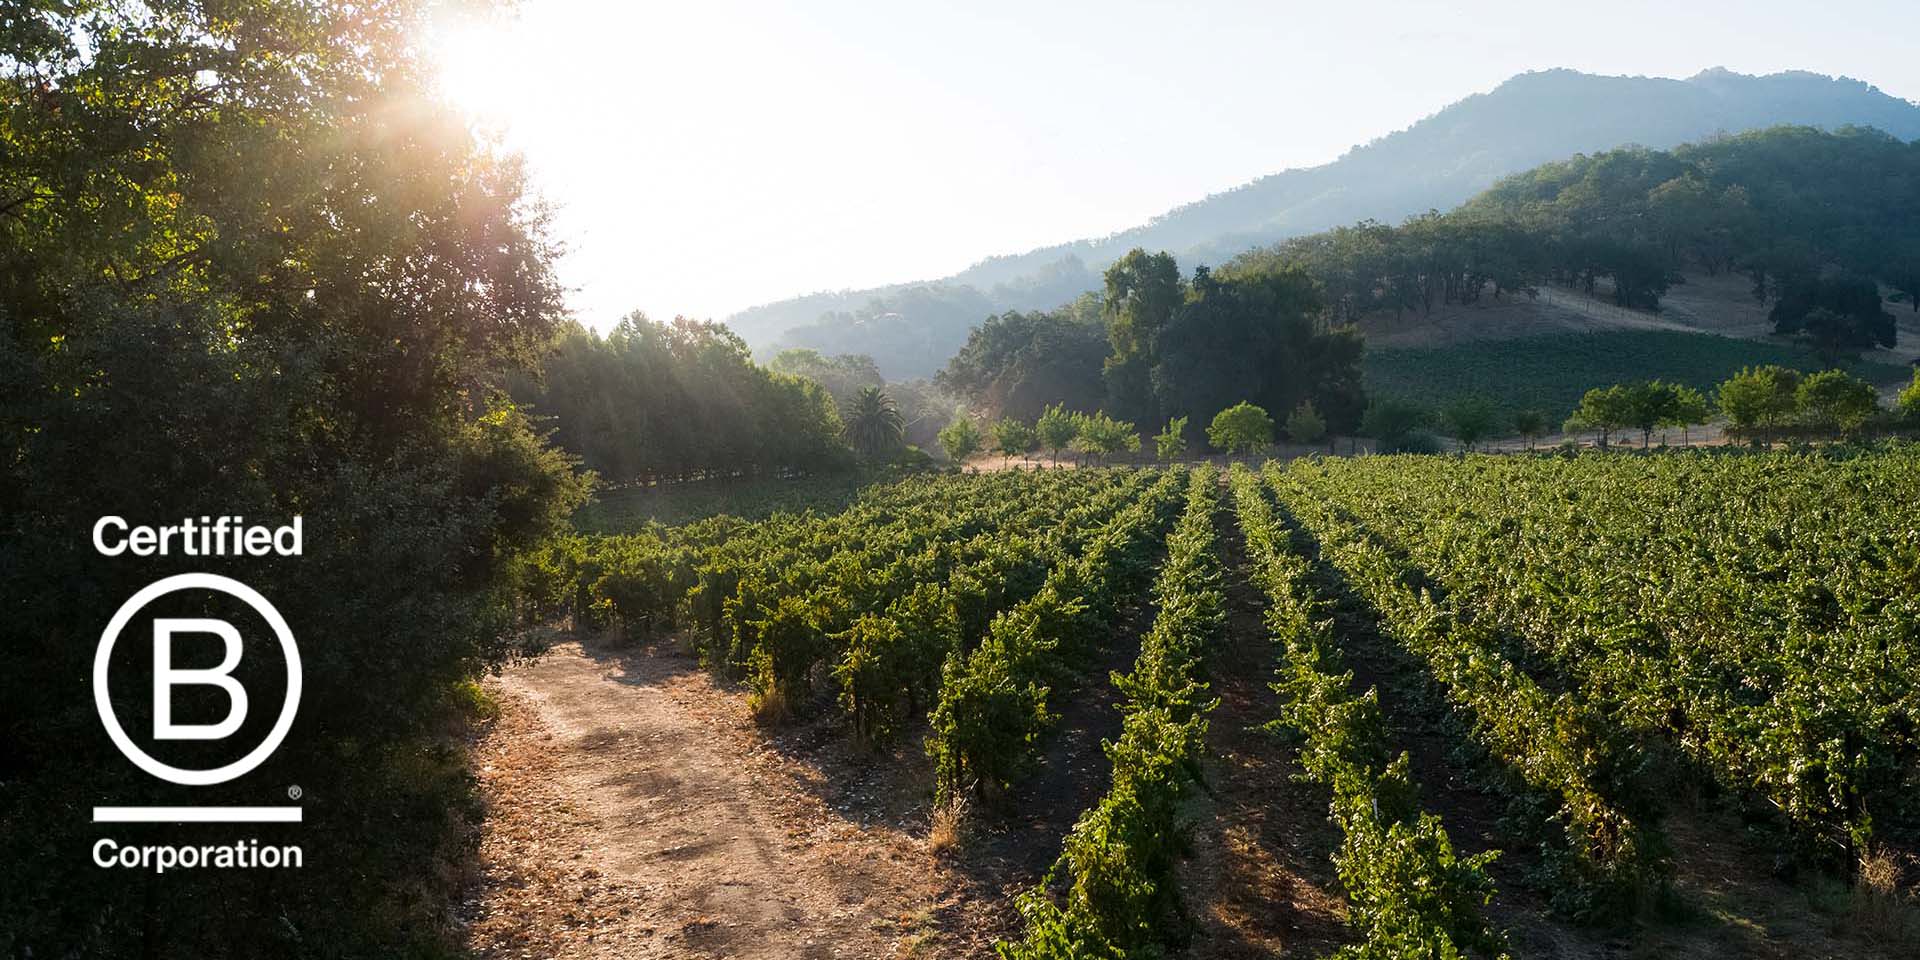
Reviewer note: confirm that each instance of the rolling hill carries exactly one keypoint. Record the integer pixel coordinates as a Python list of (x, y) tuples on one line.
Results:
[(1439, 162)]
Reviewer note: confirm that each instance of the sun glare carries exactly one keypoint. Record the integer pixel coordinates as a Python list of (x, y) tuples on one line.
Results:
[(477, 69)]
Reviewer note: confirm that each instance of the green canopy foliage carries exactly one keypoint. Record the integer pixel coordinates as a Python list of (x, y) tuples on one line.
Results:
[(1908, 404), (1835, 401), (961, 439), (1529, 424), (842, 375), (1171, 442), (248, 266), (1013, 436), (1391, 421), (1471, 420), (873, 424), (1101, 436), (673, 401), (1305, 425), (1241, 428), (1759, 397), (1016, 363), (1056, 429), (1779, 205), (1143, 293)]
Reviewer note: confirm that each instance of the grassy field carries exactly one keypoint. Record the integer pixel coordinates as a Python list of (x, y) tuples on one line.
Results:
[(1550, 373)]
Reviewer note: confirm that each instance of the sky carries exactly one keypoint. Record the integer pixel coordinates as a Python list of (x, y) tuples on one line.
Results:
[(703, 157)]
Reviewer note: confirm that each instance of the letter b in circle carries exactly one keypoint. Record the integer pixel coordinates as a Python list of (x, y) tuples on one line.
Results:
[(166, 676)]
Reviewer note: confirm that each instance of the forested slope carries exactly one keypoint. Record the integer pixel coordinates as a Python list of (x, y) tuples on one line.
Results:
[(1437, 163)]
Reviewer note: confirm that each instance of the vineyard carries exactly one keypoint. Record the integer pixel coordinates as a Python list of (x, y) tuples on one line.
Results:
[(1637, 664), (1550, 372)]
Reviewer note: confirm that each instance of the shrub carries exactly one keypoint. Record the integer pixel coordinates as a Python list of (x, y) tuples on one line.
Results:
[(1171, 443), (961, 439), (1305, 425), (1908, 405), (1013, 437), (1241, 428)]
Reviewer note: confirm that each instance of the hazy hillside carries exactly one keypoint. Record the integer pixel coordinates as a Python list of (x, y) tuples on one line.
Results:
[(1435, 164)]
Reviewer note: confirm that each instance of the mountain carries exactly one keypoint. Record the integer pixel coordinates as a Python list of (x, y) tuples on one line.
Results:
[(1438, 163)]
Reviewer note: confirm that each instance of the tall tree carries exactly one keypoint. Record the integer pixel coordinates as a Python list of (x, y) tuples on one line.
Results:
[(1101, 436), (1143, 291), (1688, 409), (1606, 409), (873, 425)]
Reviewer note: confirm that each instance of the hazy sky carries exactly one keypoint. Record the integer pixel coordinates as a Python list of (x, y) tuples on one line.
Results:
[(708, 156)]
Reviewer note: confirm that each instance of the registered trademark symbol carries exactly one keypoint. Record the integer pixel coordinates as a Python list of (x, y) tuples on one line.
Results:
[(293, 792)]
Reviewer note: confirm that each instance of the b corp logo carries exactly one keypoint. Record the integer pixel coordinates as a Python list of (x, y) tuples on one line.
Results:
[(166, 676)]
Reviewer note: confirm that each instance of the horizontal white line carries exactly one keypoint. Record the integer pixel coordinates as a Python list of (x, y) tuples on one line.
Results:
[(196, 814)]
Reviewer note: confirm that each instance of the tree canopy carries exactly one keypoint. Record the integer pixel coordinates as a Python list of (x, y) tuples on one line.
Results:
[(1782, 205), (1759, 397), (1014, 364), (671, 401), (961, 439), (249, 266), (873, 424), (1241, 428)]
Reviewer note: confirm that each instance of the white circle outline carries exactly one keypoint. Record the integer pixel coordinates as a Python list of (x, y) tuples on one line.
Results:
[(151, 592)]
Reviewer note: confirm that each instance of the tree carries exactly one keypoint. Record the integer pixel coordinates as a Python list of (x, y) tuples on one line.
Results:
[(1837, 401), (1143, 291), (1689, 407), (1101, 436), (1255, 334), (1472, 419), (1171, 443), (1530, 424), (1391, 421), (1304, 424), (1648, 406), (252, 268), (841, 375), (1013, 437), (1908, 404), (1838, 315), (1016, 363), (1606, 409), (961, 439), (874, 427), (1056, 429), (1759, 398), (671, 401), (1240, 428), (1833, 337)]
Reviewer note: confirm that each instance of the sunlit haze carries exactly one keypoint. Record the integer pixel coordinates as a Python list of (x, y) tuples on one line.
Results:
[(705, 157)]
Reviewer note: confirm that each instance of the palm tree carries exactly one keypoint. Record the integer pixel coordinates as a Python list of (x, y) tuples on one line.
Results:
[(874, 426)]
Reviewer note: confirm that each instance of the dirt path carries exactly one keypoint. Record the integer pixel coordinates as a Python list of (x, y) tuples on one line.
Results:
[(634, 811), (1260, 881)]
